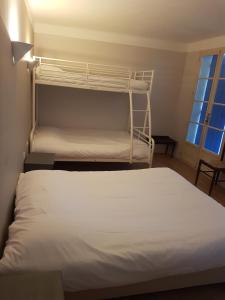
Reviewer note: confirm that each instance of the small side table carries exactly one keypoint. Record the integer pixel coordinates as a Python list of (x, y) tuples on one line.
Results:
[(31, 285), (165, 140), (39, 161)]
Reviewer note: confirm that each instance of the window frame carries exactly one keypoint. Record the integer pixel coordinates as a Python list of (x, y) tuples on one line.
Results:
[(220, 52)]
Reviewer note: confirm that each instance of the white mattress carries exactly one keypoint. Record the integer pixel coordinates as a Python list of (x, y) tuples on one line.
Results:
[(57, 74), (69, 143), (105, 229)]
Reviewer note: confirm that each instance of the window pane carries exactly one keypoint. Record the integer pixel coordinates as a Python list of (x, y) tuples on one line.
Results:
[(222, 72), (199, 111), (217, 118), (220, 92), (203, 90), (208, 65), (213, 141), (194, 133)]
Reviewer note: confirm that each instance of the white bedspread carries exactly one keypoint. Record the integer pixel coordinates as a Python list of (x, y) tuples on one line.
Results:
[(105, 229), (60, 75), (90, 144)]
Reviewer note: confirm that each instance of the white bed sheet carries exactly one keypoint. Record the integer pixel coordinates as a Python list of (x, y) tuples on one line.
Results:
[(69, 143), (105, 229), (56, 74)]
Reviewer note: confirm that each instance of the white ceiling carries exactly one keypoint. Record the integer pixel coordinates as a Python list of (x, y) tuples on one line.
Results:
[(183, 21)]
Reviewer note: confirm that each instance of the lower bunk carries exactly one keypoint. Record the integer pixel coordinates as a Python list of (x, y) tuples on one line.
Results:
[(116, 233), (70, 144)]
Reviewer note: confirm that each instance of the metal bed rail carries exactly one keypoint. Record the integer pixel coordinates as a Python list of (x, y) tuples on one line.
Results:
[(91, 76)]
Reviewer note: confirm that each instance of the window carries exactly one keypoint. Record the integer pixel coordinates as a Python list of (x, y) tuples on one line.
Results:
[(207, 122)]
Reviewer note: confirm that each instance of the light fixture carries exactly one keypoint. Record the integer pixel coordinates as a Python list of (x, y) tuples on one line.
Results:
[(19, 49)]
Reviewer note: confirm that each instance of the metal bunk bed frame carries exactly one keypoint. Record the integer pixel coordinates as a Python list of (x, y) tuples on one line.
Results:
[(105, 78)]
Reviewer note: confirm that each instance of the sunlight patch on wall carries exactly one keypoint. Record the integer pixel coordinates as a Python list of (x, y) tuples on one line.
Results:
[(13, 20)]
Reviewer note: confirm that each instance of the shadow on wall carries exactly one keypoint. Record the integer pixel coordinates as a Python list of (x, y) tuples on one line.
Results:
[(68, 107)]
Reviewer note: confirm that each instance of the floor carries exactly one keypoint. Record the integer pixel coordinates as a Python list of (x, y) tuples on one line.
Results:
[(189, 173)]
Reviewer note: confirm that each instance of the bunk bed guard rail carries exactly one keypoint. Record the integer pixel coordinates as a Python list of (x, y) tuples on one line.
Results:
[(92, 76)]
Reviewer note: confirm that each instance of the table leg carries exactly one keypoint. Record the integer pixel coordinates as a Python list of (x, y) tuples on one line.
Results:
[(217, 176), (173, 148), (167, 148)]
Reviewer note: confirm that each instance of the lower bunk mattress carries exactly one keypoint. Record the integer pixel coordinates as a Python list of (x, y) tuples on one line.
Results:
[(75, 144), (112, 229)]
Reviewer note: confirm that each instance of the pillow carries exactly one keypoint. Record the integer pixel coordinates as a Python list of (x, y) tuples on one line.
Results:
[(138, 84)]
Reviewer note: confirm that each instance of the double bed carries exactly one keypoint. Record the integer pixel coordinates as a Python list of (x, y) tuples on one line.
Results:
[(120, 232)]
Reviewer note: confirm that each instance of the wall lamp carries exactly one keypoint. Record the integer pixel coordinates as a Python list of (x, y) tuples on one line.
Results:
[(19, 49)]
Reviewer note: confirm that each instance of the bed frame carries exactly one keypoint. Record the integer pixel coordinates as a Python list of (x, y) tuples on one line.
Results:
[(110, 78), (170, 283)]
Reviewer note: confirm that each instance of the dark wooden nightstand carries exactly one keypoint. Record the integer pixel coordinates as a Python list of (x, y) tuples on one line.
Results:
[(30, 286), (167, 141), (39, 161)]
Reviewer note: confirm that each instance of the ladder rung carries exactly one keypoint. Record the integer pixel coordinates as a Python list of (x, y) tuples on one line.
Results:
[(140, 110)]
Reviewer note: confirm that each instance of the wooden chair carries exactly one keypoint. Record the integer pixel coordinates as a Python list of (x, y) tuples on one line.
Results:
[(216, 168)]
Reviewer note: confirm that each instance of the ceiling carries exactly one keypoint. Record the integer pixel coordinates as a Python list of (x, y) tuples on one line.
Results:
[(183, 21)]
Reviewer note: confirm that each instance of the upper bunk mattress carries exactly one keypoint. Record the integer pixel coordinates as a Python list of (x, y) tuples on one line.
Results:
[(108, 229), (58, 76), (69, 143)]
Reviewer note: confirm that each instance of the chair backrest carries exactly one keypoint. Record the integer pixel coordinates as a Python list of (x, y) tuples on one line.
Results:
[(223, 153)]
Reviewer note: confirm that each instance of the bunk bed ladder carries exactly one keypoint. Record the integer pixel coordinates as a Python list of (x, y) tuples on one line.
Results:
[(150, 139), (34, 110), (131, 125), (146, 130), (143, 133)]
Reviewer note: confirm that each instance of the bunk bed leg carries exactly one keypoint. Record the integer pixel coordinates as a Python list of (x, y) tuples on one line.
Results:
[(152, 149), (131, 126)]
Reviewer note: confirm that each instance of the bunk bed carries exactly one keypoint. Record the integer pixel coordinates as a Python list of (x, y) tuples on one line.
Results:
[(133, 145)]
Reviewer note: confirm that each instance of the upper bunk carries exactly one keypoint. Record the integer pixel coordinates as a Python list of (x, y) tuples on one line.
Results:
[(91, 76)]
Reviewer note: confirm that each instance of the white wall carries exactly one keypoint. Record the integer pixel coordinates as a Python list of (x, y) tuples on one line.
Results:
[(68, 107), (16, 19), (15, 109), (185, 151)]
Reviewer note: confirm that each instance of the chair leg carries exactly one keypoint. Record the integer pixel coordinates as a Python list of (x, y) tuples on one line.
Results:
[(198, 172), (172, 149), (217, 177), (213, 181)]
